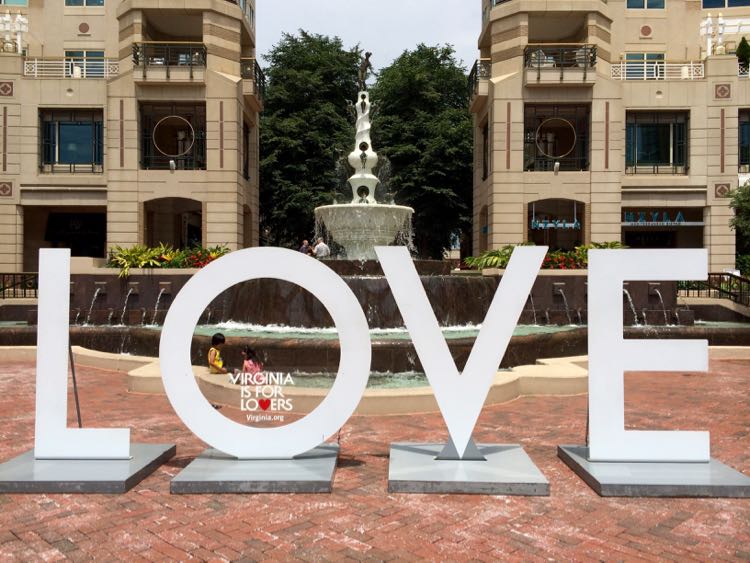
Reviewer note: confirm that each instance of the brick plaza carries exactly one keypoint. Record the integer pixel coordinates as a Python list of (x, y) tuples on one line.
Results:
[(360, 520)]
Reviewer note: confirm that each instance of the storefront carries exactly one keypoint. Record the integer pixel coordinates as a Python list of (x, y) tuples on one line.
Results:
[(662, 228), (557, 223)]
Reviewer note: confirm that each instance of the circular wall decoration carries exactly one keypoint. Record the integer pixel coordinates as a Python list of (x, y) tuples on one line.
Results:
[(167, 133), (646, 31), (556, 137), (84, 27)]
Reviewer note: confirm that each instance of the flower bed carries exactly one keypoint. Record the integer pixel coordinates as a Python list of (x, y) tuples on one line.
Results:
[(576, 259), (162, 256)]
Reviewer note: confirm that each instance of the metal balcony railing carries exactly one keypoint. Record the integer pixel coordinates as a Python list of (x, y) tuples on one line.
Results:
[(743, 70), (719, 286), (158, 54), (71, 67), (545, 57), (250, 70), (482, 70), (657, 70), (19, 286)]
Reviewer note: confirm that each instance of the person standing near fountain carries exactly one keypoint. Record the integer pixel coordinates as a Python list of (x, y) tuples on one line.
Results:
[(321, 249), (305, 248)]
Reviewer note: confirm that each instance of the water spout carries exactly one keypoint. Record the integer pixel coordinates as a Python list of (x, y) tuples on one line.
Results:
[(533, 308), (162, 291), (561, 292), (663, 307), (632, 306), (91, 307), (78, 316), (125, 306)]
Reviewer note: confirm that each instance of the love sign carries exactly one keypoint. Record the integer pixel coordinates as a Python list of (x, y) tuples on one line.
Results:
[(460, 396)]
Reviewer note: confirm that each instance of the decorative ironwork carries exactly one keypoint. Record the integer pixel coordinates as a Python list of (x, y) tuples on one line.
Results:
[(191, 156), (250, 70), (555, 140), (482, 70)]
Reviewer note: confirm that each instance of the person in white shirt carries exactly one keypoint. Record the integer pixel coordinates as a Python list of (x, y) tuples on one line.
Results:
[(321, 249)]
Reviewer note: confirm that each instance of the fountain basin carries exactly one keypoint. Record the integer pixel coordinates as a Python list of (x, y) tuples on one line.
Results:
[(359, 228)]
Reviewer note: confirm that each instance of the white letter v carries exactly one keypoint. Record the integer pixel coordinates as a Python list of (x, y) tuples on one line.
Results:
[(461, 396)]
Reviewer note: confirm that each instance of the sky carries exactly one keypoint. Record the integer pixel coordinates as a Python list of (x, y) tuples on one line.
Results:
[(385, 27)]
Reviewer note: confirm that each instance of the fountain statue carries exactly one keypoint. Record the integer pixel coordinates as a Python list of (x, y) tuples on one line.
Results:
[(364, 223)]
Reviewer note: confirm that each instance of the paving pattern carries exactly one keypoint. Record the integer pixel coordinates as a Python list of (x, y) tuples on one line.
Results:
[(360, 520)]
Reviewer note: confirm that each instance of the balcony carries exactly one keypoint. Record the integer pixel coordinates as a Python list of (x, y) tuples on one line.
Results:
[(86, 67), (160, 62), (563, 64), (657, 70), (743, 70), (253, 83), (478, 83)]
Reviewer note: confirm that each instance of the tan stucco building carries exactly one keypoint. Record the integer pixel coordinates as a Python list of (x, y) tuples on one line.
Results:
[(128, 122), (610, 121)]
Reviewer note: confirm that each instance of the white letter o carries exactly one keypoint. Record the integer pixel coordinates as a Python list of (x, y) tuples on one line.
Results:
[(230, 437)]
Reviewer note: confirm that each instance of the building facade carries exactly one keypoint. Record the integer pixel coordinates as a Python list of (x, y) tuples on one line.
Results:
[(127, 122), (618, 120)]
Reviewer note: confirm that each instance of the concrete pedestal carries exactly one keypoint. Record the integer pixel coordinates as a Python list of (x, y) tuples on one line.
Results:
[(216, 472), (628, 479), (25, 474), (507, 470)]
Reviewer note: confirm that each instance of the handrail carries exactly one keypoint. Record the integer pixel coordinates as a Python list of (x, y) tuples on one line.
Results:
[(658, 70), (482, 70), (720, 286), (559, 56), (166, 55), (250, 70), (19, 286), (65, 67)]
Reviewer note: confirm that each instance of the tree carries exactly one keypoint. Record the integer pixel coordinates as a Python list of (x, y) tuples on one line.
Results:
[(423, 125), (741, 221), (304, 130), (743, 51)]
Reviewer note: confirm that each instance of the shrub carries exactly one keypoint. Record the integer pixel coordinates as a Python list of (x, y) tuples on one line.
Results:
[(743, 51), (743, 265), (576, 259), (163, 256)]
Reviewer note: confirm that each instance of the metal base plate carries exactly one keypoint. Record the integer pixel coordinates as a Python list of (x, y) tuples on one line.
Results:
[(628, 479), (508, 470), (25, 474), (216, 472)]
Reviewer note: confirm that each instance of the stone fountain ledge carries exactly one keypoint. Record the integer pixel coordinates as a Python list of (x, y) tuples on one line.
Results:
[(558, 376)]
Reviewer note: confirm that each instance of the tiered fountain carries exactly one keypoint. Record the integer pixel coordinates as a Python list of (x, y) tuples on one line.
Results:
[(364, 223)]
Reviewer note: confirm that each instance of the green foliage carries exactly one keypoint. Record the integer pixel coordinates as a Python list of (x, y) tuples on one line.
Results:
[(304, 131), (743, 51), (741, 221), (576, 259), (423, 125), (743, 264), (163, 256)]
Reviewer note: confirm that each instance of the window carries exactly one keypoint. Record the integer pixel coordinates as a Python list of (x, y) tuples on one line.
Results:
[(84, 2), (556, 137), (646, 4), (724, 3), (14, 2), (72, 141), (86, 64), (656, 143), (644, 66), (744, 156), (173, 135), (246, 144)]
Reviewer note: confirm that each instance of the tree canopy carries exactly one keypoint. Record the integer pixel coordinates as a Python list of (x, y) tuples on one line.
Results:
[(304, 130), (423, 125), (741, 220)]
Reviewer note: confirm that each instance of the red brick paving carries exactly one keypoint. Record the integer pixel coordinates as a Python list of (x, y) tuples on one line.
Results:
[(360, 520)]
